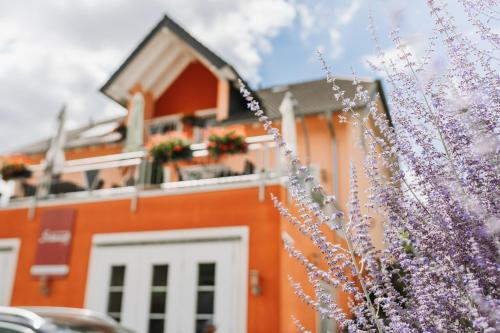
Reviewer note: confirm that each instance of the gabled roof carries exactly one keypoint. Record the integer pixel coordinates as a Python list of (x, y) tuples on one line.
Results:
[(213, 61), (312, 96)]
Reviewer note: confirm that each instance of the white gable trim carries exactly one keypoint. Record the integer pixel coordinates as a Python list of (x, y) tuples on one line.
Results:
[(170, 74), (158, 64), (155, 50), (164, 60)]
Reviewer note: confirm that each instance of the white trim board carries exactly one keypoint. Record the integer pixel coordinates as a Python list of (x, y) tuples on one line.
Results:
[(52, 270), (151, 237)]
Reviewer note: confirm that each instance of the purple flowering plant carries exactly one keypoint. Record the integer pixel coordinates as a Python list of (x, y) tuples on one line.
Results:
[(434, 179)]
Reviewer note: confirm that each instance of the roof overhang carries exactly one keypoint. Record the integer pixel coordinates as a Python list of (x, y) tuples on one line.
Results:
[(159, 59)]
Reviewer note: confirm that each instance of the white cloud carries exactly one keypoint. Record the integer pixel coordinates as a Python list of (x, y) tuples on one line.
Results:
[(242, 35), (335, 43), (320, 18), (375, 62), (415, 44), (307, 20), (54, 52), (347, 14)]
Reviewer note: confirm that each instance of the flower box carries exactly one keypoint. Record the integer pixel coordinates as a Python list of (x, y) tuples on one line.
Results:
[(14, 168), (226, 141), (171, 147)]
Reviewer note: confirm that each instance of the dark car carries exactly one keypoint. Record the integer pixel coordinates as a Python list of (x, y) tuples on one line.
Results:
[(56, 320)]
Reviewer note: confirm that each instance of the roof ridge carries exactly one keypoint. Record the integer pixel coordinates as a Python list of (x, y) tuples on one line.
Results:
[(180, 30)]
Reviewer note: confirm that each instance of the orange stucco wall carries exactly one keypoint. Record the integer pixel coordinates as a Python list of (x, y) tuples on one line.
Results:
[(349, 148), (195, 89), (201, 210), (211, 209)]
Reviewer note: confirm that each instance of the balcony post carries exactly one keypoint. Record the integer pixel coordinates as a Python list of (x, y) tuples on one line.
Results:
[(264, 171)]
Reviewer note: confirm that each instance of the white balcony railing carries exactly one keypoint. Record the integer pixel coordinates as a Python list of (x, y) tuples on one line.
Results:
[(128, 175)]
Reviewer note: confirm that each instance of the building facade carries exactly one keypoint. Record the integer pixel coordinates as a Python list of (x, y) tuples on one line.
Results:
[(171, 248)]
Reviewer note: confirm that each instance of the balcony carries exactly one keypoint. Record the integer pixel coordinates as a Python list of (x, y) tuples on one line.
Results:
[(131, 175)]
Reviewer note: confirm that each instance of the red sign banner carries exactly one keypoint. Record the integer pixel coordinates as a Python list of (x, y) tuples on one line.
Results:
[(54, 242)]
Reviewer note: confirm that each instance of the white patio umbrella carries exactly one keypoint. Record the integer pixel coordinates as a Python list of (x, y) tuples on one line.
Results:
[(54, 158), (135, 124), (288, 128)]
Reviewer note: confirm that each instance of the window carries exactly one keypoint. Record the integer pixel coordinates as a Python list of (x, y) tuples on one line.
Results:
[(158, 302), (204, 120), (161, 128), (206, 295), (115, 296), (165, 124)]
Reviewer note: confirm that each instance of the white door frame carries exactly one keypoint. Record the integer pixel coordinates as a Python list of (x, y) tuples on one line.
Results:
[(11, 245), (240, 233)]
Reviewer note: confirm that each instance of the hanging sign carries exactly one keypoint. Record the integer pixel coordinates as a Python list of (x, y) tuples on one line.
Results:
[(54, 243)]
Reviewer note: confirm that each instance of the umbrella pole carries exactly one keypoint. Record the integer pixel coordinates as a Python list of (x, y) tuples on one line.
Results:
[(42, 190)]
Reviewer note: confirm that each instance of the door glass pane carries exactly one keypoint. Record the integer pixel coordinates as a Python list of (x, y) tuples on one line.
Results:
[(205, 302), (158, 303), (156, 325), (160, 274), (117, 275), (201, 325), (115, 293), (206, 275), (205, 296), (115, 301)]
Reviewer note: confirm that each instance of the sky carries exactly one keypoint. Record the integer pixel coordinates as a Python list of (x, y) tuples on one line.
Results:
[(56, 52)]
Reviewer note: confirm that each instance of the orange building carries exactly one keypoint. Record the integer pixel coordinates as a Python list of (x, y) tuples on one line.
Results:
[(198, 241)]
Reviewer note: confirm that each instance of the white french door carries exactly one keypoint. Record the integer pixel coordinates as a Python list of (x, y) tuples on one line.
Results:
[(177, 287)]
